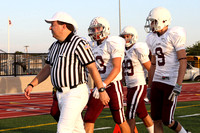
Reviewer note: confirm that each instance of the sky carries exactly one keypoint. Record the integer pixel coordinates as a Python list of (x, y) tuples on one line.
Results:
[(29, 28)]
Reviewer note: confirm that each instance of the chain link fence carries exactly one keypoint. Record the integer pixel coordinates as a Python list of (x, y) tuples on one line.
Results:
[(16, 64)]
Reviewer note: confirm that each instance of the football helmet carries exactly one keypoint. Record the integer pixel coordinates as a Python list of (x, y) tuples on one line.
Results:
[(129, 30), (98, 22), (157, 19)]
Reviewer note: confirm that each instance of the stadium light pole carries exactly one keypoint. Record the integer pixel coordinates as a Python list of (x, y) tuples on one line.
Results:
[(9, 35), (8, 62), (119, 18)]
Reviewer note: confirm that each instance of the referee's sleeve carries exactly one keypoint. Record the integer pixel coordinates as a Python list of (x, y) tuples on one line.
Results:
[(84, 53), (48, 59)]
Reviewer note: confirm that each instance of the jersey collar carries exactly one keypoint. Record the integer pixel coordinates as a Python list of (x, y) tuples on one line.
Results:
[(68, 39)]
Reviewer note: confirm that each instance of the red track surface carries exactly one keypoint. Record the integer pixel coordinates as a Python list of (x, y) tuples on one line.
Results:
[(18, 106)]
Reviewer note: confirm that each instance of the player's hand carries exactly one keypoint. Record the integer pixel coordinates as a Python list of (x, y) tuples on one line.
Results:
[(89, 91), (105, 99), (148, 93), (175, 92), (95, 93), (27, 91)]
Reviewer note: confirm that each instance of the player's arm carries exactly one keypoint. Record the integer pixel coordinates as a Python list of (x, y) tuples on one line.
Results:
[(42, 75), (151, 70), (181, 55), (98, 82), (115, 71), (147, 65), (143, 54), (123, 75)]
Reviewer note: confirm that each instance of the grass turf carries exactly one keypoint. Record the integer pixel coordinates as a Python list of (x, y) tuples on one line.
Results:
[(46, 124)]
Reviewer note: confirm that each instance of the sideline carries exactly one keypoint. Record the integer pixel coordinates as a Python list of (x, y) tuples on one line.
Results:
[(47, 124)]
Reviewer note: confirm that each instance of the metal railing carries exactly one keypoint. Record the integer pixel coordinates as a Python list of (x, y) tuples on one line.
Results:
[(15, 64)]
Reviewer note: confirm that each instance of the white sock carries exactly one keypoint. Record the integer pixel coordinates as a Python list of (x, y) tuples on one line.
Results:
[(182, 130), (150, 129)]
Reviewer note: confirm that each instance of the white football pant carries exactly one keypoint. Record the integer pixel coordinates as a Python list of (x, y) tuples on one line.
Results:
[(71, 103)]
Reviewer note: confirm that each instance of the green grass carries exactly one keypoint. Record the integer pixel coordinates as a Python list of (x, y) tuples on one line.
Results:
[(46, 124)]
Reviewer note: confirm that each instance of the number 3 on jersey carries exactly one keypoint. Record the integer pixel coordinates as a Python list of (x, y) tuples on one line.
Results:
[(102, 68)]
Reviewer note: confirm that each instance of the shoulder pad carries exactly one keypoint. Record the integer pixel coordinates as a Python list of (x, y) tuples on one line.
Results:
[(141, 47), (116, 41), (180, 31)]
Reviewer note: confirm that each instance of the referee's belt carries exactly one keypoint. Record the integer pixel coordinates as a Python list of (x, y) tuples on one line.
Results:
[(57, 89), (60, 89)]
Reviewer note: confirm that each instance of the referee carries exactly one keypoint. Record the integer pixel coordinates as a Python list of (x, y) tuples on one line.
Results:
[(67, 60)]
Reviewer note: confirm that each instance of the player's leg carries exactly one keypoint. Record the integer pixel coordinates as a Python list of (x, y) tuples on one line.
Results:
[(177, 127), (55, 112), (71, 105), (169, 110), (89, 127), (148, 123), (131, 96), (131, 123), (141, 110), (124, 127), (158, 126), (94, 108), (116, 105), (156, 106)]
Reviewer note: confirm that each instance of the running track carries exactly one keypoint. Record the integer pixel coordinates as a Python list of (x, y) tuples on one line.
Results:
[(17, 106)]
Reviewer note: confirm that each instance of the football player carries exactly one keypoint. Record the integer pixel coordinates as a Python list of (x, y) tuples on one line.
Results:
[(136, 60), (167, 69), (109, 54)]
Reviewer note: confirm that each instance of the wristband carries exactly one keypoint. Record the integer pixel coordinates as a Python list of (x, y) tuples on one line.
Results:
[(178, 85), (30, 85), (102, 89)]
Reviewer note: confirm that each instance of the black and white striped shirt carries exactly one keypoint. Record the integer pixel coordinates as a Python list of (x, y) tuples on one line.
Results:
[(68, 61)]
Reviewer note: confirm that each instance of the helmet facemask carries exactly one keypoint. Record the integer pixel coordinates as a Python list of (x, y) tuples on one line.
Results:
[(153, 25), (99, 29), (96, 32), (129, 41), (130, 35)]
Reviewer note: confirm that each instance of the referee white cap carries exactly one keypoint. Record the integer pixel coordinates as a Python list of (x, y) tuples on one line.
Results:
[(63, 17)]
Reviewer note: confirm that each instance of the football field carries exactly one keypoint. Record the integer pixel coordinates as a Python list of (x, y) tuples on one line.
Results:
[(188, 113), (18, 115)]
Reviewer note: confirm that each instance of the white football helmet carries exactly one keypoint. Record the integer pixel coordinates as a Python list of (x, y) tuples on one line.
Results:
[(157, 19), (98, 22), (129, 30)]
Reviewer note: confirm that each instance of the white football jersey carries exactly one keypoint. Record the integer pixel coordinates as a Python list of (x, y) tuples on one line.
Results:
[(134, 71), (110, 48), (165, 48)]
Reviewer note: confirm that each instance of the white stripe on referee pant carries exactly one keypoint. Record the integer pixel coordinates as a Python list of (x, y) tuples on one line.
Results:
[(71, 103), (119, 90), (136, 100)]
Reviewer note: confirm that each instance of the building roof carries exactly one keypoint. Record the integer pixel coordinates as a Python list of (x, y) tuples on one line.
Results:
[(1, 51)]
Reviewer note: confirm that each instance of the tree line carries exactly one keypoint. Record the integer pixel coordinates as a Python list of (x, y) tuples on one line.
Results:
[(194, 49)]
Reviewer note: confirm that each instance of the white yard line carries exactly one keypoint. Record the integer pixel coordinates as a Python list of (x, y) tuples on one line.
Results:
[(102, 128), (188, 115)]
